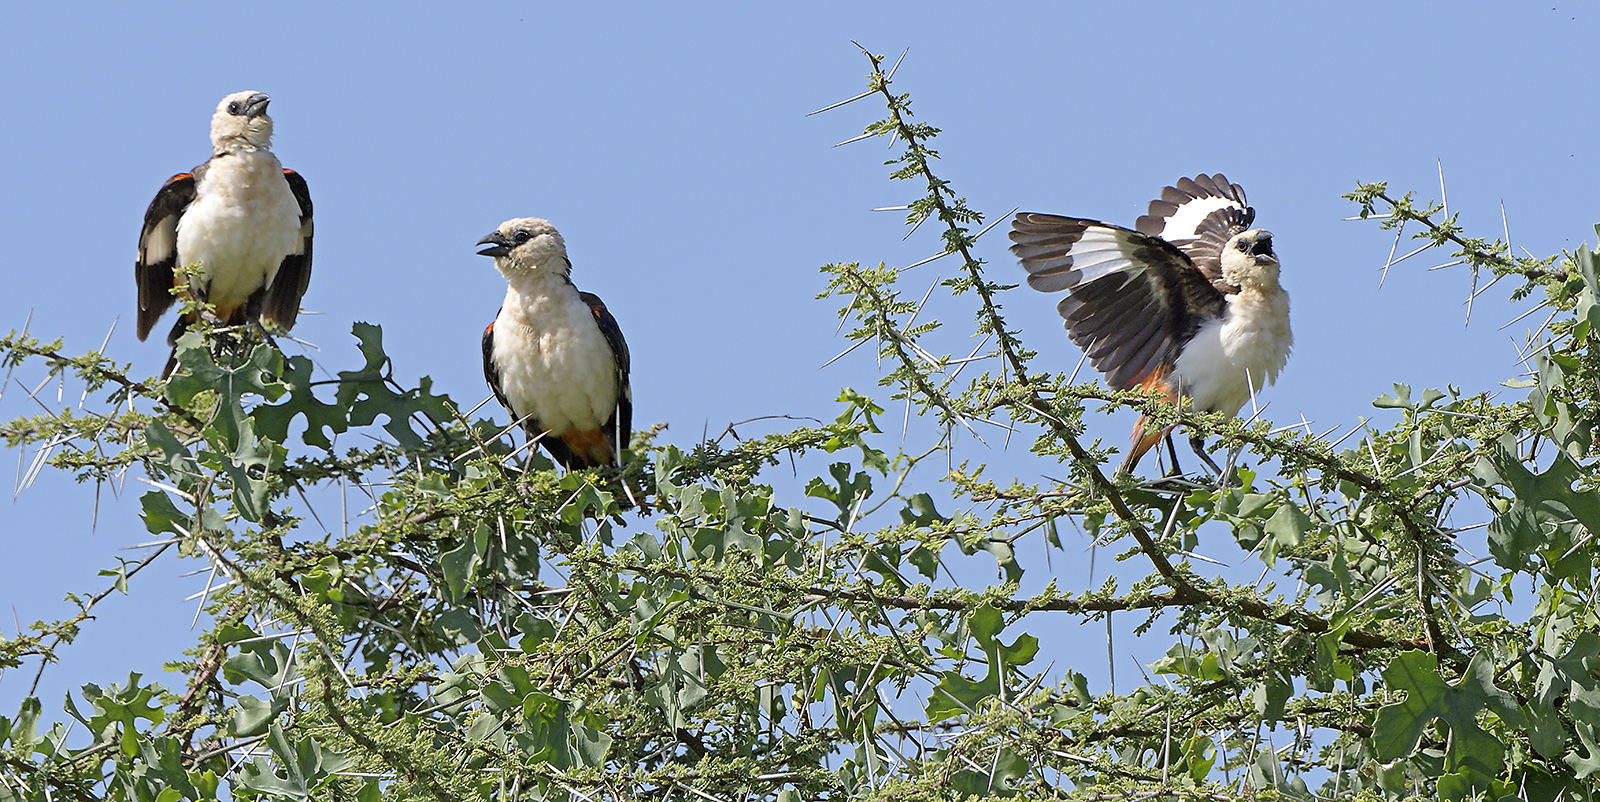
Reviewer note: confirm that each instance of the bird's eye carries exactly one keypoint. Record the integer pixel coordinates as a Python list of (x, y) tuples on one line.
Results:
[(522, 236), (234, 107), (1243, 245)]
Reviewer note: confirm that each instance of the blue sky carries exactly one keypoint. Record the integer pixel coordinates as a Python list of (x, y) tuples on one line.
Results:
[(670, 146)]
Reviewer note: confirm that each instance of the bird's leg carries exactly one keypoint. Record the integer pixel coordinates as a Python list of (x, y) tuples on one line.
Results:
[(1198, 443), (527, 468), (259, 330), (1173, 451), (252, 318)]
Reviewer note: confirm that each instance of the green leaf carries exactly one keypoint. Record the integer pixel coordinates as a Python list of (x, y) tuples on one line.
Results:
[(1184, 661), (253, 716), (321, 417), (1021, 651), (247, 468), (957, 694), (1199, 754), (256, 375), (161, 516), (175, 462), (691, 673), (984, 623), (120, 709), (305, 767), (1542, 504), (546, 730), (367, 393), (1400, 400), (589, 732), (1571, 676), (233, 633), (268, 664), (925, 559), (1270, 695), (846, 492), (460, 564), (535, 631), (919, 511), (1475, 754), (1288, 525), (1586, 763), (458, 625), (998, 780)]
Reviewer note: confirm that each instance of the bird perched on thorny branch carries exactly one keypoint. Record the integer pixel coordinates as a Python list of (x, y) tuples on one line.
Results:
[(241, 216), (1188, 305), (554, 356)]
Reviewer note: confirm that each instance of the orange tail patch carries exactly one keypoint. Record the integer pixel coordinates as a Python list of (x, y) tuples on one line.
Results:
[(591, 447), (1145, 438)]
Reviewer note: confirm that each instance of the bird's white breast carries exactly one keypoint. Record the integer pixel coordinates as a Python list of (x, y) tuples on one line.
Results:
[(553, 361), (243, 222), (1244, 348)]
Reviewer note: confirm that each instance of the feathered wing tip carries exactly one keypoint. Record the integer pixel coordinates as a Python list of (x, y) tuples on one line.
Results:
[(282, 302), (1200, 215), (1177, 214), (154, 268), (619, 428)]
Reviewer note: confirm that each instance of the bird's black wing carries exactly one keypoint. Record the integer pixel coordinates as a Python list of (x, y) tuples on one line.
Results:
[(158, 249), (1200, 215), (619, 429), (282, 305), (1133, 299), (491, 374)]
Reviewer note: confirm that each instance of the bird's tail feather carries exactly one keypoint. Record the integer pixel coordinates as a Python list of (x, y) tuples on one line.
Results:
[(1144, 439), (1144, 436)]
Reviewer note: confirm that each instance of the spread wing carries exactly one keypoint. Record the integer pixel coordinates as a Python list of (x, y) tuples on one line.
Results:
[(1200, 215), (620, 427), (158, 249), (282, 305), (1133, 299)]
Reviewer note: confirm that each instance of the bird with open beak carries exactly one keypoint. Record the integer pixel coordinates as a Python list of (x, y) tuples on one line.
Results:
[(1187, 304), (555, 356)]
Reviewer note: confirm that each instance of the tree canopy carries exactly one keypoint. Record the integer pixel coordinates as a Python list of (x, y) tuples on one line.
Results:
[(491, 628)]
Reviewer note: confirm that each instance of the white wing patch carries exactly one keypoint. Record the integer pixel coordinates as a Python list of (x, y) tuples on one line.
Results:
[(1099, 252), (1184, 223), (160, 241), (306, 232)]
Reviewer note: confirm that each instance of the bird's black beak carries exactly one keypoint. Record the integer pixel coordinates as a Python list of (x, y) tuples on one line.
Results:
[(1263, 245), (498, 245), (256, 105)]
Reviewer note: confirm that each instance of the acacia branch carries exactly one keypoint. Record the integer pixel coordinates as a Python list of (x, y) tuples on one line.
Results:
[(99, 371), (1492, 260)]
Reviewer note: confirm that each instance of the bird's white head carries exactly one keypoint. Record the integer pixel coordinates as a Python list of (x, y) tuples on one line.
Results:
[(526, 245), (1248, 260), (241, 123)]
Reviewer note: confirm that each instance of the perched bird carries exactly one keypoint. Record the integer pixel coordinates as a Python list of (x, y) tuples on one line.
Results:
[(1188, 305), (244, 218), (554, 356)]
